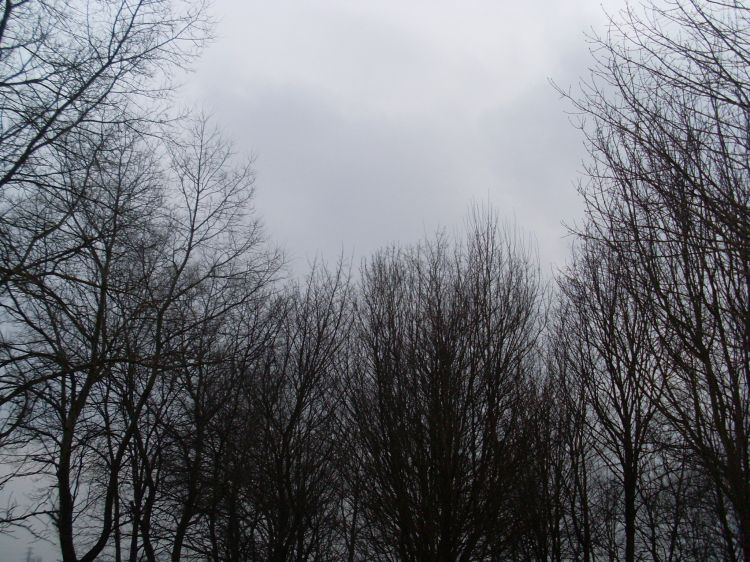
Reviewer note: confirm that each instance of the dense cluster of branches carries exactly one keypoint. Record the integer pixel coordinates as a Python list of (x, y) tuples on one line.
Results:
[(169, 397)]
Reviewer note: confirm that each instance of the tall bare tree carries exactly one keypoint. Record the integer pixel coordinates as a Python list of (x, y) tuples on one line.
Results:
[(614, 364), (296, 402), (73, 75), (173, 254), (666, 115), (261, 480), (439, 392)]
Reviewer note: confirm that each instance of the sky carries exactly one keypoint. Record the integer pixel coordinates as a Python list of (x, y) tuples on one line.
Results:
[(374, 123)]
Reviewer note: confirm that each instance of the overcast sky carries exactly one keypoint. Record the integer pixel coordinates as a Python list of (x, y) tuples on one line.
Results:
[(377, 122), (374, 122)]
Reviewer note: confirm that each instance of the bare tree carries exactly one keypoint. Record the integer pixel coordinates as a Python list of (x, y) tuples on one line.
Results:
[(66, 67), (61, 319), (253, 457), (574, 464), (666, 116), (101, 329), (72, 75), (438, 395), (613, 362), (295, 400), (542, 482)]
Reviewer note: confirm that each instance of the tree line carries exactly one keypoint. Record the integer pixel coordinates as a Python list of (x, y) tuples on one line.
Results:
[(174, 397)]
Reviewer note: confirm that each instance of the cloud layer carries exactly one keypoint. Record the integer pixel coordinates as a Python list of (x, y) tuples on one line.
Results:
[(376, 122)]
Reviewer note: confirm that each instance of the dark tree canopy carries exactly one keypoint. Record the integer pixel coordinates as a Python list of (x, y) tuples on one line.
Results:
[(171, 396), (446, 335)]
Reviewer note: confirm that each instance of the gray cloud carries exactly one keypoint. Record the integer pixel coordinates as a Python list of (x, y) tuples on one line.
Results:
[(377, 122)]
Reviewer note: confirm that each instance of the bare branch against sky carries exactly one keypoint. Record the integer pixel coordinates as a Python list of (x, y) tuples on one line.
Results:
[(377, 122)]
